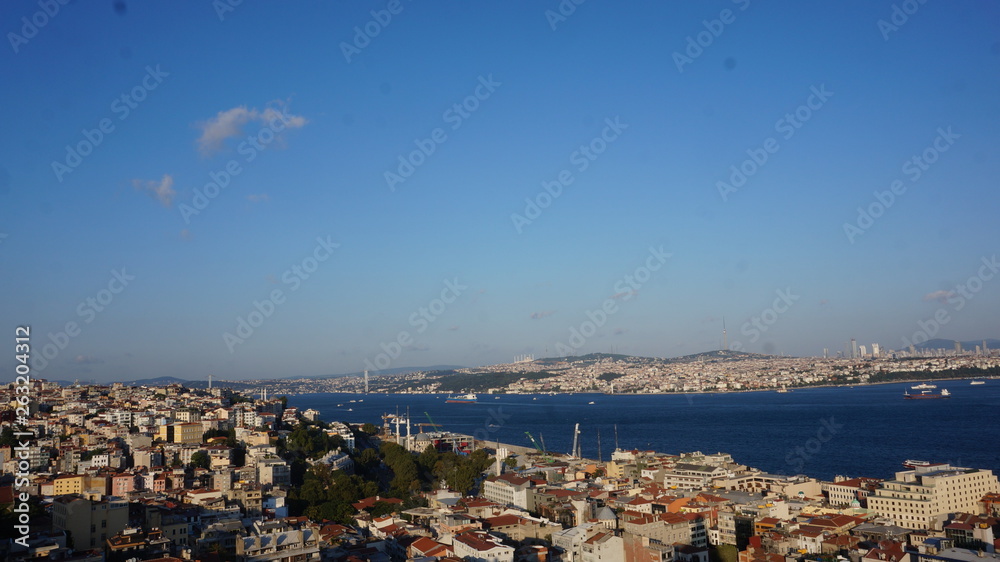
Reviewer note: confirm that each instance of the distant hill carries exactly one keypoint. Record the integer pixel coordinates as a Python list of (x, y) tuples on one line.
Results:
[(160, 381), (719, 355), (939, 343), (392, 371)]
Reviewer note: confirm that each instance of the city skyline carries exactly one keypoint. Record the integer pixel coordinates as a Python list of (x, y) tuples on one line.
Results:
[(263, 191)]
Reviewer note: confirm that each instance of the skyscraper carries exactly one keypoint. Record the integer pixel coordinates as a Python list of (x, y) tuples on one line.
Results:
[(854, 348)]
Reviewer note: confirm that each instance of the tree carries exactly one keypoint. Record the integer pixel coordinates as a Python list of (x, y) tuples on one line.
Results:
[(201, 460), (7, 437), (369, 428)]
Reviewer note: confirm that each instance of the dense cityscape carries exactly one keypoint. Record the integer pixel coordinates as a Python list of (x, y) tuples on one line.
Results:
[(718, 371), (113, 472)]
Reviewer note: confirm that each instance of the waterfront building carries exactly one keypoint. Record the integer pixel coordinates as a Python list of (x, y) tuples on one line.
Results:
[(924, 497)]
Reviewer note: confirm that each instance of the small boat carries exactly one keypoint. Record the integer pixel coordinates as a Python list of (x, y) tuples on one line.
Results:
[(350, 409), (462, 399), (590, 402), (924, 386), (977, 382)]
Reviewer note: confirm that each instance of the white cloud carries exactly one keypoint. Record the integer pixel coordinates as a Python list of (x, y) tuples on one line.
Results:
[(231, 122), (162, 191), (940, 296)]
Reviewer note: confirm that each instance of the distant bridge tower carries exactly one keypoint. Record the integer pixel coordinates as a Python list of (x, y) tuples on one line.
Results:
[(725, 338), (366, 381), (210, 381)]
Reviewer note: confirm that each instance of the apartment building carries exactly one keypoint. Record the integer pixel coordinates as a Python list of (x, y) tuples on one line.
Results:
[(922, 498)]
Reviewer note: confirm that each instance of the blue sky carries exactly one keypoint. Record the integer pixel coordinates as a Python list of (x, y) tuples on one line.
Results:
[(329, 127)]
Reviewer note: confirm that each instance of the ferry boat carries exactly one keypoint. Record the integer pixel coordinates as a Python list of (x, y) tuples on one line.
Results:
[(926, 395), (924, 386), (462, 399), (915, 464), (977, 382)]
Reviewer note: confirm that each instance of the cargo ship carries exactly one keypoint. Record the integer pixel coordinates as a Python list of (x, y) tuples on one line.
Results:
[(926, 395), (462, 399)]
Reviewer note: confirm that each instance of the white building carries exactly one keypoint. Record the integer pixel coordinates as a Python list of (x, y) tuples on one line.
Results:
[(923, 498), (480, 546)]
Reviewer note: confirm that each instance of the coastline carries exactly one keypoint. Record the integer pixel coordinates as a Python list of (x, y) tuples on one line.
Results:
[(601, 393)]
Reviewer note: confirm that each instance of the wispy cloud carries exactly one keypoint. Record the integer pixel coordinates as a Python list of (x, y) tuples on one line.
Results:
[(624, 294), (231, 122), (162, 191), (542, 314), (940, 296)]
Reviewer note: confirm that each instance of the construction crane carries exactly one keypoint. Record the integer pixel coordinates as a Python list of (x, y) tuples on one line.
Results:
[(535, 443), (432, 424), (576, 442)]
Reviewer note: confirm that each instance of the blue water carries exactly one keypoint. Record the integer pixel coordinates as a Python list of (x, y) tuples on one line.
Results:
[(761, 429)]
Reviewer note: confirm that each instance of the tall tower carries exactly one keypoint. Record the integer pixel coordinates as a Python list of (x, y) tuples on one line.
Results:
[(725, 339), (854, 348), (210, 381), (366, 381)]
